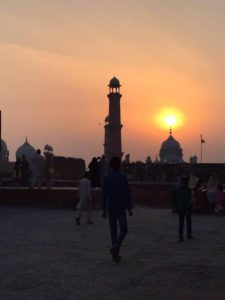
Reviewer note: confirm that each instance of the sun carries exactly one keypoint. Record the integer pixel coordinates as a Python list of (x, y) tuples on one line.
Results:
[(168, 118)]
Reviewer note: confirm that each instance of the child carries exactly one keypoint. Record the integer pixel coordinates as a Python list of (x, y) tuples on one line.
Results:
[(85, 199), (219, 199), (184, 208)]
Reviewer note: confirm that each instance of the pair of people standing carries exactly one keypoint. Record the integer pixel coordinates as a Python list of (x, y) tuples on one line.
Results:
[(42, 169), (37, 165), (116, 200), (98, 168)]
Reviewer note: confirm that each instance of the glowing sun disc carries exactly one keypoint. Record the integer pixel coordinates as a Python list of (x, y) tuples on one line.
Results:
[(169, 117), (170, 120)]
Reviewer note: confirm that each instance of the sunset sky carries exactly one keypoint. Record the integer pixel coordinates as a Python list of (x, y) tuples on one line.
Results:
[(57, 57)]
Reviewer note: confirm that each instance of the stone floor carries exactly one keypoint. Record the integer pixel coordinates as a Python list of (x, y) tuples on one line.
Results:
[(44, 255)]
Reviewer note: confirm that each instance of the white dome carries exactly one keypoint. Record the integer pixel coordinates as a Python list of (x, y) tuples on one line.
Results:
[(170, 151), (4, 151), (27, 150)]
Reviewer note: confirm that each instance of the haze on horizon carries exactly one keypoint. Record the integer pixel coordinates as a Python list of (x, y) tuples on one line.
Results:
[(56, 60)]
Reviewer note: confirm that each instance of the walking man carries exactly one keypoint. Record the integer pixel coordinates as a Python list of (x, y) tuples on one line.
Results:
[(115, 200)]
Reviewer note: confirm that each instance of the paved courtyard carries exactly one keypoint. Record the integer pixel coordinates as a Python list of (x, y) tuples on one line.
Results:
[(44, 255)]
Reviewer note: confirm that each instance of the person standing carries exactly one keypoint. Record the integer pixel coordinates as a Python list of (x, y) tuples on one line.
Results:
[(212, 188), (37, 165), (219, 199), (116, 200), (192, 184), (17, 172), (184, 205), (24, 171), (84, 191), (48, 166), (94, 172), (103, 166), (178, 185)]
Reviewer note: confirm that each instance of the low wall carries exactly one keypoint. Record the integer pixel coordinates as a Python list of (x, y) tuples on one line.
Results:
[(155, 195), (152, 194), (57, 197), (147, 194)]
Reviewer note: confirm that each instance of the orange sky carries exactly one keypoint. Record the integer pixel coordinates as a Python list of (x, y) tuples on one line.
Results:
[(57, 59)]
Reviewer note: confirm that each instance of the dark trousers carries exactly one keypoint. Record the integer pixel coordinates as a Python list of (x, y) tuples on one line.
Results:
[(182, 215), (116, 219)]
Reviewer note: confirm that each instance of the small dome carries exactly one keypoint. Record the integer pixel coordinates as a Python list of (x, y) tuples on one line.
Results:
[(4, 151), (114, 83), (48, 148), (27, 150), (170, 151)]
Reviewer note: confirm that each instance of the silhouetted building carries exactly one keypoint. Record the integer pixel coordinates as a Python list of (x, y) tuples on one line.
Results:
[(193, 159), (4, 151), (27, 150), (171, 152), (68, 167), (113, 144), (148, 160)]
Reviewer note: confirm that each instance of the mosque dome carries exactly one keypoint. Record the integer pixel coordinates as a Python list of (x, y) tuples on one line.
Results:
[(27, 150), (171, 151), (114, 83), (4, 151)]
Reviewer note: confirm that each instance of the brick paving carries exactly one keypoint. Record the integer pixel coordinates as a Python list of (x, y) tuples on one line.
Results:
[(44, 255)]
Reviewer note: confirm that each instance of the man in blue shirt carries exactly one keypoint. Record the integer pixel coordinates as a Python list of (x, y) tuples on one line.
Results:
[(115, 200)]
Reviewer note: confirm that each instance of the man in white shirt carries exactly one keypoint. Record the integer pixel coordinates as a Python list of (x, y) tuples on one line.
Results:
[(84, 190), (37, 164)]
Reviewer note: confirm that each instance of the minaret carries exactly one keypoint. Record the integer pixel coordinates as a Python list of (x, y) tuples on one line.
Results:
[(0, 132), (113, 145)]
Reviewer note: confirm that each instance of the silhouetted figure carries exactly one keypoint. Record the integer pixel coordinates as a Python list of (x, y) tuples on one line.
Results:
[(115, 200), (200, 198), (37, 164), (192, 184), (184, 205), (48, 167), (212, 188), (24, 171), (178, 185), (17, 172), (219, 199), (84, 190), (94, 172), (103, 166)]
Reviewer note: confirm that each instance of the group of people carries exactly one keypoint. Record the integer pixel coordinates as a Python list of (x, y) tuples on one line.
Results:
[(116, 200), (34, 172), (204, 196), (189, 195)]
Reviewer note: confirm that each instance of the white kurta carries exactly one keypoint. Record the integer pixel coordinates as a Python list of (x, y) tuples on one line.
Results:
[(84, 192)]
